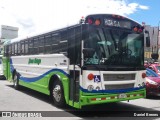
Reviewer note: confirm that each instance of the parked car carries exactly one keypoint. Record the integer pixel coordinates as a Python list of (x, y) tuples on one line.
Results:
[(152, 83), (153, 66)]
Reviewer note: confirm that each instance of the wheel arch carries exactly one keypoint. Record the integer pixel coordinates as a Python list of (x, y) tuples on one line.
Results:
[(65, 85), (52, 79), (13, 73)]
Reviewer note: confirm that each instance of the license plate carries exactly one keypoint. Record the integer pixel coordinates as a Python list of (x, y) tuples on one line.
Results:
[(122, 96)]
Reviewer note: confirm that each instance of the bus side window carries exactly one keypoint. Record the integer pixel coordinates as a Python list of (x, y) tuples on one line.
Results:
[(30, 46), (15, 45), (35, 46), (5, 47), (10, 50), (41, 41), (13, 49), (48, 43), (55, 43), (19, 48), (63, 43), (78, 45), (26, 47), (71, 46), (22, 47)]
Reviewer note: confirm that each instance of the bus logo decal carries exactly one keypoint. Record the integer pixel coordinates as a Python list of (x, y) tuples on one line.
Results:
[(34, 61)]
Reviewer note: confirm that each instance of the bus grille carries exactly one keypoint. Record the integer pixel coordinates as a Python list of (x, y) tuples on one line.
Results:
[(115, 87), (119, 77)]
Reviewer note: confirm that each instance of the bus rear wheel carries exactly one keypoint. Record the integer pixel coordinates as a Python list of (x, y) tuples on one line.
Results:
[(57, 94), (16, 81)]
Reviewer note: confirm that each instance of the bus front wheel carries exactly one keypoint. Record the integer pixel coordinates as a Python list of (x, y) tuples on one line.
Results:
[(16, 81), (57, 94)]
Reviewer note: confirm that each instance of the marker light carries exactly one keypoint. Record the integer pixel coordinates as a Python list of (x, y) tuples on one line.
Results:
[(90, 20), (135, 29), (118, 16), (140, 30), (90, 76), (97, 22), (143, 75)]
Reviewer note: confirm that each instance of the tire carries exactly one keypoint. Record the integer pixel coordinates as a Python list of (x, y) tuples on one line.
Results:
[(16, 81), (57, 94)]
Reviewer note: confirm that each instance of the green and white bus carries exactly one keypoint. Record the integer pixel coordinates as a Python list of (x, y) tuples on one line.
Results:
[(99, 60)]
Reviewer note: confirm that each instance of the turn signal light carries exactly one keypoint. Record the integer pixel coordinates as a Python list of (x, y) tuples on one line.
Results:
[(90, 20), (135, 29), (90, 76), (143, 75), (138, 29), (97, 22)]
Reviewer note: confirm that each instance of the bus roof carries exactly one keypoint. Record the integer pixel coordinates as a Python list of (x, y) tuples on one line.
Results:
[(36, 34), (58, 29), (115, 15)]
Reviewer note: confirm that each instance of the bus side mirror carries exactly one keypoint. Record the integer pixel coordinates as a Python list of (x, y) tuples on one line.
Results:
[(147, 42), (147, 38), (155, 56), (88, 52)]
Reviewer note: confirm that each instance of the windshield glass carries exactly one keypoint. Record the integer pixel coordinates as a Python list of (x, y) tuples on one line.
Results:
[(150, 73), (114, 47), (158, 68)]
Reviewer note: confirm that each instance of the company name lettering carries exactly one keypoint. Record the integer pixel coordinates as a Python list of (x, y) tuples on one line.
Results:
[(34, 61)]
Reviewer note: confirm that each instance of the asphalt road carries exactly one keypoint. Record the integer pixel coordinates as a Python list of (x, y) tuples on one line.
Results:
[(24, 100)]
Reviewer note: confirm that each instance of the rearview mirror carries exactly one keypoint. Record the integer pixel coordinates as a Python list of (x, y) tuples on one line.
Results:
[(155, 56)]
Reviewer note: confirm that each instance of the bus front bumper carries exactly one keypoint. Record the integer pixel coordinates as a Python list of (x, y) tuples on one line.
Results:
[(107, 98)]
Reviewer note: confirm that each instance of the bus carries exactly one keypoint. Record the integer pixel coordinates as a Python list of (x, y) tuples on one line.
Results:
[(98, 60), (1, 68)]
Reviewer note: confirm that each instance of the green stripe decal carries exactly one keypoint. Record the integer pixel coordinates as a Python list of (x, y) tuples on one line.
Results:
[(25, 79)]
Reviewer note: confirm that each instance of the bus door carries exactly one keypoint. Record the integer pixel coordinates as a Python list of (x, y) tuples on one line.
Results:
[(5, 61), (74, 52)]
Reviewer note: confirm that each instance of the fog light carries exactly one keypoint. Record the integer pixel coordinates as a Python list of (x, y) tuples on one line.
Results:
[(97, 88), (90, 87), (143, 84), (139, 85)]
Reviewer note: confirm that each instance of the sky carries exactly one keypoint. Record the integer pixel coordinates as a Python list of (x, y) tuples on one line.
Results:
[(35, 16)]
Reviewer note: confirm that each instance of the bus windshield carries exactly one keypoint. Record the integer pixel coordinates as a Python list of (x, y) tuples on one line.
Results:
[(114, 47)]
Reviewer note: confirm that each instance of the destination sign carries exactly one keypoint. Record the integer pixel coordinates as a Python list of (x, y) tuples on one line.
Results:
[(117, 23)]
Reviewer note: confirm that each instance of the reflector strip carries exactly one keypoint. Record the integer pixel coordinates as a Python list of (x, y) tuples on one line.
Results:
[(103, 98), (135, 94), (114, 97), (93, 99), (131, 95), (98, 98)]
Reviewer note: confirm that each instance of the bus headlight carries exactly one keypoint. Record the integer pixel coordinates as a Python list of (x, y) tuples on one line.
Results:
[(90, 87), (152, 82)]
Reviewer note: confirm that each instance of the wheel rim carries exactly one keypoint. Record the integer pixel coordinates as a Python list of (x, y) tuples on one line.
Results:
[(57, 93)]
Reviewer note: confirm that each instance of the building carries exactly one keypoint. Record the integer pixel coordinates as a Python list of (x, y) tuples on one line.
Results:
[(154, 33), (7, 32)]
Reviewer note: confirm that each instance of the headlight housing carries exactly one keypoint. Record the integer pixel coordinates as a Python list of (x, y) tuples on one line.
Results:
[(151, 82)]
